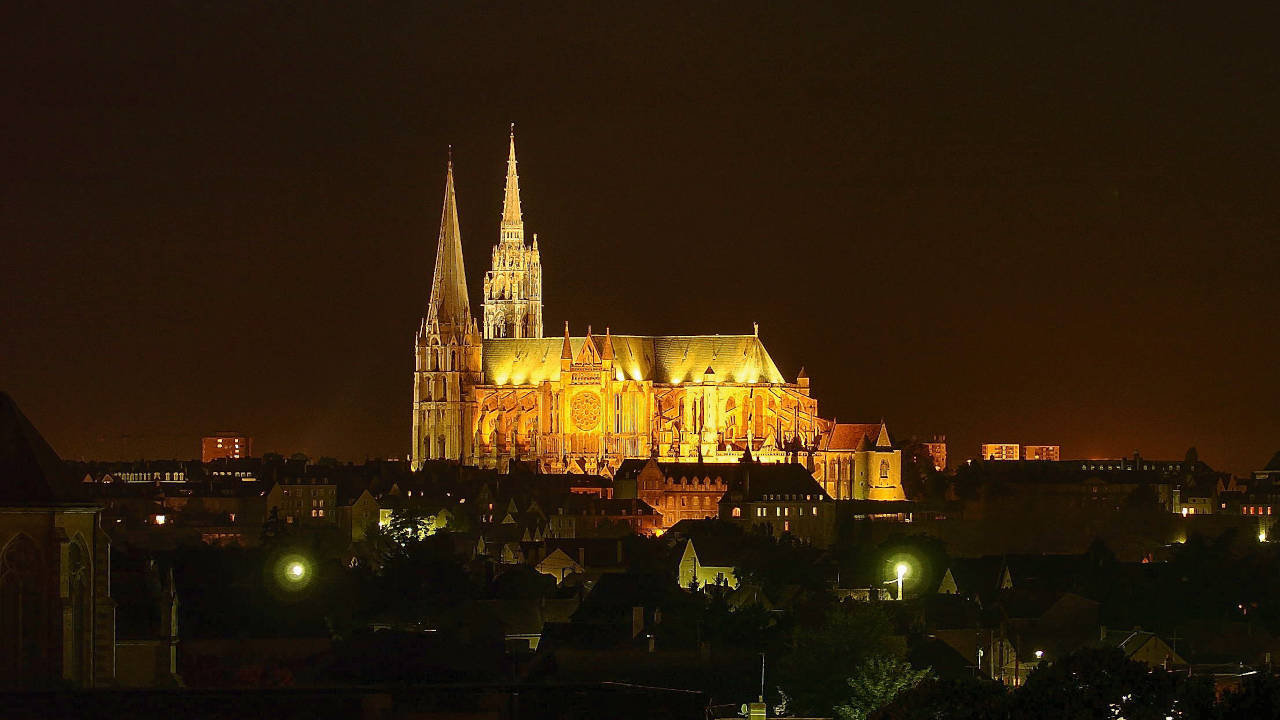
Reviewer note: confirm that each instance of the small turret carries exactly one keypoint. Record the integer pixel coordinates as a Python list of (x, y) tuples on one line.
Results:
[(606, 353), (566, 349)]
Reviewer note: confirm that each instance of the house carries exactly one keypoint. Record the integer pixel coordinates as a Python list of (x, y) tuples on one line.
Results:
[(589, 557), (578, 515), (558, 565), (678, 490), (361, 514), (709, 560), (782, 498), (304, 502), (1142, 646)]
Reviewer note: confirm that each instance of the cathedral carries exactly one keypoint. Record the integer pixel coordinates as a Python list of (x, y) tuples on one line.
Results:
[(498, 390)]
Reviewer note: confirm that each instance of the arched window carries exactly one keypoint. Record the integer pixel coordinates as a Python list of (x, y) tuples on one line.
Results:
[(78, 586), (884, 469), (737, 512), (22, 612)]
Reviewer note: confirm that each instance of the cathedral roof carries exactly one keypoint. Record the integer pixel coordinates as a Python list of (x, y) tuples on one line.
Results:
[(664, 359)]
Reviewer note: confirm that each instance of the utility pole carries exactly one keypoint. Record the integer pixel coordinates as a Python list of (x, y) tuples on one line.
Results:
[(761, 677)]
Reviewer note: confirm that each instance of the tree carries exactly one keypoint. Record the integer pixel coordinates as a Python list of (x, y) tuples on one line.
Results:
[(774, 563), (825, 655), (970, 699), (1257, 699), (919, 476), (272, 528), (1103, 683), (877, 681)]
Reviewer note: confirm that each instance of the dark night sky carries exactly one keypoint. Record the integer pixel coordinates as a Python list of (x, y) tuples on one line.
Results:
[(1004, 222)]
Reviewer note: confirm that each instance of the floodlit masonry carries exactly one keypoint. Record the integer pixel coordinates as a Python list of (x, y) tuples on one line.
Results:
[(491, 390)]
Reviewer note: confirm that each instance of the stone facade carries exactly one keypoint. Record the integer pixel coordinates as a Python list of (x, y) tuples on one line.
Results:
[(583, 404), (57, 618), (513, 285)]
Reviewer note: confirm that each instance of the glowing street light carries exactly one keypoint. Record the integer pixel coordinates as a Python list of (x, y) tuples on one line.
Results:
[(293, 572), (900, 570)]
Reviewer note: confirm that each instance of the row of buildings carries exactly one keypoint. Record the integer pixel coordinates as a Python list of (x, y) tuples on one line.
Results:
[(229, 500)]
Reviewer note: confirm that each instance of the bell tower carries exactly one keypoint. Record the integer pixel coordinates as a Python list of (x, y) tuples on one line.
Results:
[(447, 353), (513, 285)]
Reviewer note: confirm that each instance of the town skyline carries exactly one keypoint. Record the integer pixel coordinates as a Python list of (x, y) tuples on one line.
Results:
[(954, 263)]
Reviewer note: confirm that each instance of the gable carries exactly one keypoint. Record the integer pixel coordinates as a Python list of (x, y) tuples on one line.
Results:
[(948, 584)]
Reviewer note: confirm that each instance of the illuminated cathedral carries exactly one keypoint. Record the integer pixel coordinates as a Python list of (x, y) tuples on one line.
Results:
[(495, 390)]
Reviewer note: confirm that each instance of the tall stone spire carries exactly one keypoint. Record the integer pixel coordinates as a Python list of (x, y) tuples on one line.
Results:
[(511, 219), (449, 306)]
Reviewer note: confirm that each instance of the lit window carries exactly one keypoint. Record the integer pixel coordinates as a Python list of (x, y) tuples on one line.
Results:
[(160, 519), (737, 512)]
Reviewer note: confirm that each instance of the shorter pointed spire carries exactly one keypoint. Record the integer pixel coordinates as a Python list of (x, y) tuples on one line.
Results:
[(566, 350), (607, 352)]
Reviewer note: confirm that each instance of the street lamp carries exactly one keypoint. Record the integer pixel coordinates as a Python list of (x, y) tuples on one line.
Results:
[(901, 570), (293, 572)]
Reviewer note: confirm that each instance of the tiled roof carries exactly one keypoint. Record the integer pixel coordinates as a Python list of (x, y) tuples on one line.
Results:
[(852, 436), (661, 358), (756, 482), (772, 479)]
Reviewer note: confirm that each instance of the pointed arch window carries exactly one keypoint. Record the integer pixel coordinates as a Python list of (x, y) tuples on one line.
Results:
[(78, 584), (22, 612)]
